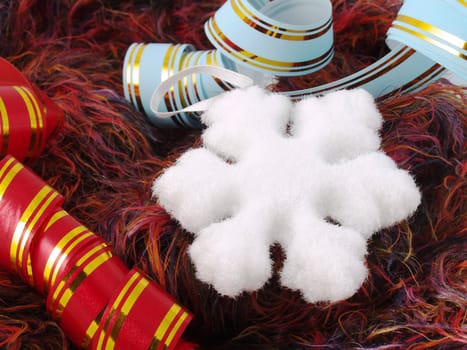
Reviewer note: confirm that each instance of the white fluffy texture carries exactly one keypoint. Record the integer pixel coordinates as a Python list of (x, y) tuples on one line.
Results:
[(272, 172)]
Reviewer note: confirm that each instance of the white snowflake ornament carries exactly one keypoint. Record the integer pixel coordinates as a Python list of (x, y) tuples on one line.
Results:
[(308, 176)]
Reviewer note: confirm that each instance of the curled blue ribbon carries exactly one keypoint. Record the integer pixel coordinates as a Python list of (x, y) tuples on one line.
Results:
[(262, 38)]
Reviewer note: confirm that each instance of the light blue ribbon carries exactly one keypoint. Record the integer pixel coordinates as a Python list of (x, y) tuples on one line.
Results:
[(289, 38)]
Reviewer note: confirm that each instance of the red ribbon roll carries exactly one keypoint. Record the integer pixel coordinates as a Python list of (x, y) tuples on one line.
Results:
[(97, 301), (25, 204), (126, 317), (27, 116)]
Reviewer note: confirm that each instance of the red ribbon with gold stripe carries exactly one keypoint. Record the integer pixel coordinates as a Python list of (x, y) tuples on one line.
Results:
[(27, 116), (126, 316), (26, 202), (98, 302)]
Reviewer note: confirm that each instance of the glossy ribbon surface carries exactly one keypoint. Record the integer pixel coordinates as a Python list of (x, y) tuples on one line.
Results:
[(98, 302), (281, 37), (27, 116), (257, 37)]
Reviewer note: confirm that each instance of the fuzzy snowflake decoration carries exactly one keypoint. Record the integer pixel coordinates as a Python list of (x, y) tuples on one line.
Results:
[(309, 176)]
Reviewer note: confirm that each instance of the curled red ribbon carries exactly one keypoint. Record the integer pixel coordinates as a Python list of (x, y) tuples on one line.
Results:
[(97, 301), (27, 116)]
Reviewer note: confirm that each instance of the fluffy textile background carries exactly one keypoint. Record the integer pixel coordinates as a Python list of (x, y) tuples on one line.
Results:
[(106, 157)]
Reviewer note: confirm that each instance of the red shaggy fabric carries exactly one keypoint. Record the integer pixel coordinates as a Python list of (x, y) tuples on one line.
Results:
[(107, 155)]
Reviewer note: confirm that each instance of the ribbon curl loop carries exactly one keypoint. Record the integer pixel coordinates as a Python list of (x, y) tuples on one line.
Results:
[(259, 38), (97, 301)]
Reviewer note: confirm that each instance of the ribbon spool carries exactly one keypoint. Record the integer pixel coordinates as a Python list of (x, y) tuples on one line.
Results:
[(162, 61), (97, 301), (25, 203), (425, 40), (437, 29), (282, 37), (128, 312), (27, 116)]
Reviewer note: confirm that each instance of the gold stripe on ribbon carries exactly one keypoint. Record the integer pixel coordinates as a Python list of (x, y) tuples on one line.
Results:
[(53, 196), (32, 118), (274, 31), (183, 86), (166, 72), (227, 85), (431, 41), (58, 255), (54, 218), (211, 60), (185, 63), (26, 223), (385, 66), (262, 62), (90, 267), (164, 326), (194, 77), (433, 30), (424, 78), (125, 311), (5, 167), (115, 306), (171, 70), (86, 256), (5, 128), (168, 69), (82, 260), (129, 70), (419, 81), (393, 64), (40, 119), (176, 328), (6, 177), (136, 76), (92, 329)]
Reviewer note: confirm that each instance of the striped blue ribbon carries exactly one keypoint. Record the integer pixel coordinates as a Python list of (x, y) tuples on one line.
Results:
[(294, 37)]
